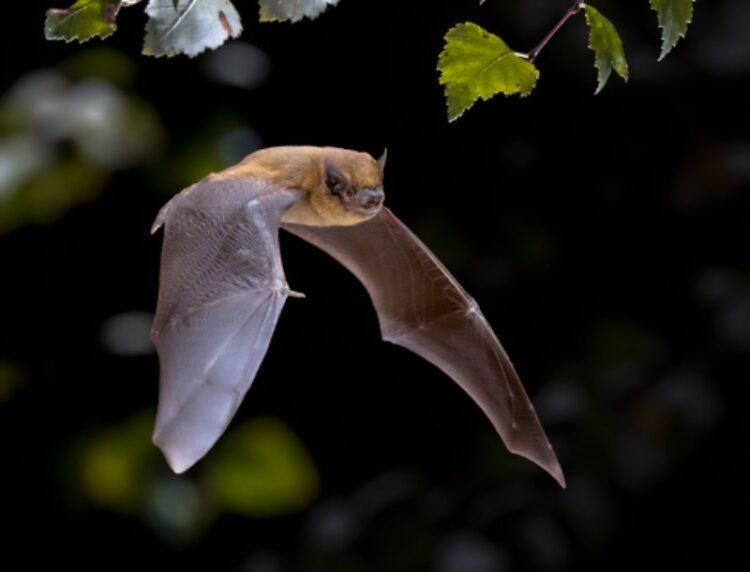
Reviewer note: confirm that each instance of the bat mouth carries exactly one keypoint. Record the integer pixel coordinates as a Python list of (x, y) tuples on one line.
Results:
[(368, 212), (370, 201)]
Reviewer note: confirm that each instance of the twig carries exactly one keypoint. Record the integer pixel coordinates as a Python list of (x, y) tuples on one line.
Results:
[(572, 11)]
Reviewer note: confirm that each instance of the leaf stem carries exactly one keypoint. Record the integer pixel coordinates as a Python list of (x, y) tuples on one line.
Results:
[(572, 11)]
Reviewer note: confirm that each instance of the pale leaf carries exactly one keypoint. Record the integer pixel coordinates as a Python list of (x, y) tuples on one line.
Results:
[(196, 25), (292, 10)]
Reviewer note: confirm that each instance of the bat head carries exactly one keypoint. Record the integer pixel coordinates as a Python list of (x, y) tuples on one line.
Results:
[(351, 187)]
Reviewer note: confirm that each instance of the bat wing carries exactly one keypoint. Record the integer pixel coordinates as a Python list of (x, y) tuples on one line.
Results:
[(422, 307), (221, 291)]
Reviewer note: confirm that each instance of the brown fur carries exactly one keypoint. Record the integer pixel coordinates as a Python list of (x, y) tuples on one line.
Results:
[(302, 169)]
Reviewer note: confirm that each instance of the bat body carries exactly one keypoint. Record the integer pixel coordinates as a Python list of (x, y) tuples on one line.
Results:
[(222, 288)]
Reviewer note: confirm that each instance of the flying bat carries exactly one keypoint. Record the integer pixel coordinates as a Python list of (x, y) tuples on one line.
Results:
[(222, 288)]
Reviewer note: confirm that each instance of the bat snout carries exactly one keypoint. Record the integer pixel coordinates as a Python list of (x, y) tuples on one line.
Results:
[(371, 198)]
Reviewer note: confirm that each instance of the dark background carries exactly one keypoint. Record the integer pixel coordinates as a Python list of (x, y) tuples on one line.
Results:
[(605, 237)]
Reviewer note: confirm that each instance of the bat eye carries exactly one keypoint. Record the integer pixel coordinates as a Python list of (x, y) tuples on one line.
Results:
[(349, 193)]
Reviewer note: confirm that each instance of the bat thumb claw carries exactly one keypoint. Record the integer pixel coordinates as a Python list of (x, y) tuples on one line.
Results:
[(293, 294)]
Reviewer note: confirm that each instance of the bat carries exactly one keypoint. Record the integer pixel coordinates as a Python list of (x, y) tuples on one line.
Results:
[(222, 288)]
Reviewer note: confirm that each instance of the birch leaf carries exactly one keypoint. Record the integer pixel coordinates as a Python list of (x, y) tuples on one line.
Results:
[(194, 26), (84, 20), (292, 10), (607, 46), (476, 64), (674, 17)]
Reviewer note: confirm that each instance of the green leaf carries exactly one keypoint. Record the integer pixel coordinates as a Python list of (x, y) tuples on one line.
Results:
[(189, 27), (84, 20), (260, 468), (113, 464), (292, 10), (607, 45), (476, 64), (674, 17)]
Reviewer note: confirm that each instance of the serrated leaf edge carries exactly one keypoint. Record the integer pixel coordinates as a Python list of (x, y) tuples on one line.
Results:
[(55, 37), (444, 54), (206, 47), (78, 40), (273, 20), (601, 83), (666, 48)]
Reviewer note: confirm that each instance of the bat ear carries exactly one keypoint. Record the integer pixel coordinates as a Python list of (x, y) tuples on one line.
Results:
[(382, 160), (334, 177)]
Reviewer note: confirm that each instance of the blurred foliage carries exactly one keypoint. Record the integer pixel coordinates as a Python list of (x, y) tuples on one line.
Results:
[(65, 131), (106, 64), (259, 469), (115, 465), (128, 334), (119, 469), (62, 135)]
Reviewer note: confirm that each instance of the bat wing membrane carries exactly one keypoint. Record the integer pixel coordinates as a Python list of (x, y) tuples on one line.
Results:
[(422, 307), (222, 288)]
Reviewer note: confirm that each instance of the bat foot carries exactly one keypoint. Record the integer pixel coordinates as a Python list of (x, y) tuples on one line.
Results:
[(293, 294)]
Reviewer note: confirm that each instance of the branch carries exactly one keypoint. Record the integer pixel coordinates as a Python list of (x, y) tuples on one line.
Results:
[(572, 11)]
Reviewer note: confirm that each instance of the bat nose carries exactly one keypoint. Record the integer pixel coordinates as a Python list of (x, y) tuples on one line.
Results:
[(372, 198)]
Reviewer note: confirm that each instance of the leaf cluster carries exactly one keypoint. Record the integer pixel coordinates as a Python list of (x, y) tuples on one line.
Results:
[(174, 26), (476, 64)]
